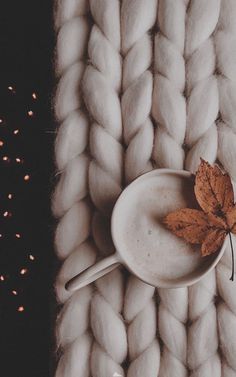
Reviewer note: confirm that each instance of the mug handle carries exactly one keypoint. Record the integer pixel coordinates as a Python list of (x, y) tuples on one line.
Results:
[(92, 273)]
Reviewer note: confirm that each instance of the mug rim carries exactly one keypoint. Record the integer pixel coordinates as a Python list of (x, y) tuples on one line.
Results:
[(170, 283)]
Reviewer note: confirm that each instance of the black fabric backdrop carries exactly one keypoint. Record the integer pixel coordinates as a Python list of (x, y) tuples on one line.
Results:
[(26, 59)]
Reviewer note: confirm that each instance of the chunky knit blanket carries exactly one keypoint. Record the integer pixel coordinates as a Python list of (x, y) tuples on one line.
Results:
[(142, 84)]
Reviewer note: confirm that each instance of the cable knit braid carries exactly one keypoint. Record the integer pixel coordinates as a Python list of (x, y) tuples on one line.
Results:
[(69, 202), (201, 87), (137, 18), (169, 106), (185, 45), (101, 88), (226, 312), (201, 140), (203, 357), (169, 112), (185, 108), (226, 67)]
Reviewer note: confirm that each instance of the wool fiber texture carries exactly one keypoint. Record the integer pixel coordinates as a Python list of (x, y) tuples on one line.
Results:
[(141, 85)]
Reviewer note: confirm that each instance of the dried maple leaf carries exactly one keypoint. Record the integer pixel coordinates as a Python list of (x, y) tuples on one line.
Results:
[(191, 224), (231, 220), (213, 241), (209, 227), (213, 189)]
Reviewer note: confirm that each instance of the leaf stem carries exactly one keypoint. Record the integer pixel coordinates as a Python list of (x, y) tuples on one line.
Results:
[(232, 254)]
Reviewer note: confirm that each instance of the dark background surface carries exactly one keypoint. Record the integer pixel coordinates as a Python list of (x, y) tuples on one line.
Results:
[(26, 45)]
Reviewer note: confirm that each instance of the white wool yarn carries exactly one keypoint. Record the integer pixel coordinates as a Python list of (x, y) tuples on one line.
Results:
[(191, 53), (66, 10), (203, 357), (69, 201), (226, 313), (201, 82), (226, 63), (169, 112), (107, 138), (137, 18), (226, 68), (140, 314), (172, 318), (201, 139), (185, 107), (101, 88), (169, 105)]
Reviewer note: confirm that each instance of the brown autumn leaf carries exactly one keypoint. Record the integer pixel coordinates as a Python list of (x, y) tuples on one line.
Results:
[(213, 189), (191, 224), (213, 241), (209, 227), (217, 221), (231, 220)]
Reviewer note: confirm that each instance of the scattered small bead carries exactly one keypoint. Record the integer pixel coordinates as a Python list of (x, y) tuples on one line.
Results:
[(26, 177)]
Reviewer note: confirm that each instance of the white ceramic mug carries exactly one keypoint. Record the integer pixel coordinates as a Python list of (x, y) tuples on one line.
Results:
[(143, 244)]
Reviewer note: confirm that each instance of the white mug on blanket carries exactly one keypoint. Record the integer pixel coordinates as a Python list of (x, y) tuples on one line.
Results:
[(142, 242)]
